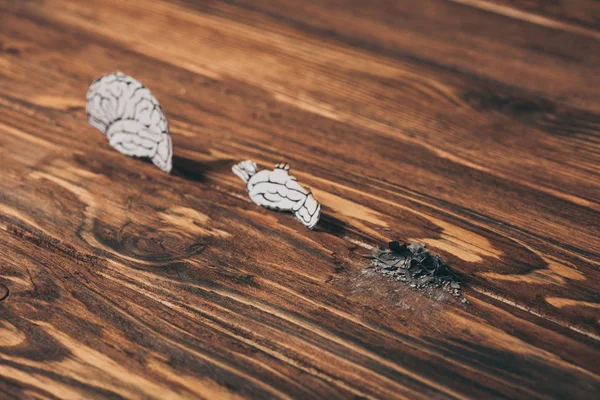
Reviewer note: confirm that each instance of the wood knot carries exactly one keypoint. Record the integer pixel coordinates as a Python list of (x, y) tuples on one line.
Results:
[(3, 292), (153, 244)]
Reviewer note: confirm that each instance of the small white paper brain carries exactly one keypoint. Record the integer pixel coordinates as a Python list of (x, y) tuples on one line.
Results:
[(277, 190), (131, 118)]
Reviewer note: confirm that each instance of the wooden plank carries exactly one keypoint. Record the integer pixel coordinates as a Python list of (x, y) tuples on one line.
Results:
[(441, 34), (124, 281)]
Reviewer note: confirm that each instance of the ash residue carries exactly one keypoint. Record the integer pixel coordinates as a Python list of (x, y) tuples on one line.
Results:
[(415, 265)]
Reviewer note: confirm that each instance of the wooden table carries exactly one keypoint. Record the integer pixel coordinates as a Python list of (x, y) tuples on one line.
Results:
[(470, 125)]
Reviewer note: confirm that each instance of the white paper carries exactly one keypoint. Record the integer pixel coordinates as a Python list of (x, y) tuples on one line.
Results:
[(131, 118), (277, 190)]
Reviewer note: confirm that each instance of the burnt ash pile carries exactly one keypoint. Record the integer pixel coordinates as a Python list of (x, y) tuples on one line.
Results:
[(415, 265)]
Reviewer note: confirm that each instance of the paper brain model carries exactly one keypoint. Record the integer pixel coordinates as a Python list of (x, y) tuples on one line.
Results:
[(130, 117), (277, 190)]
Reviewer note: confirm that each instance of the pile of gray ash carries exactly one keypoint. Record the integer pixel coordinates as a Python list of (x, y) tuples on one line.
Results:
[(415, 265)]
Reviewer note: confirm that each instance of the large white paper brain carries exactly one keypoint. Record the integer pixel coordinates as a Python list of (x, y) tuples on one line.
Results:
[(277, 190), (131, 118)]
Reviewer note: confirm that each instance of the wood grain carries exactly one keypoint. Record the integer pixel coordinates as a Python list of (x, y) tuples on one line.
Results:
[(581, 16), (471, 128)]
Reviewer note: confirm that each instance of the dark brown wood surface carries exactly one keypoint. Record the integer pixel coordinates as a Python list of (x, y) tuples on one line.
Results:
[(470, 125)]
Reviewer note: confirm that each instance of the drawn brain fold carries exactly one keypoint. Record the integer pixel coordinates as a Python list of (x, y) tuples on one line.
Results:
[(131, 118), (277, 190)]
